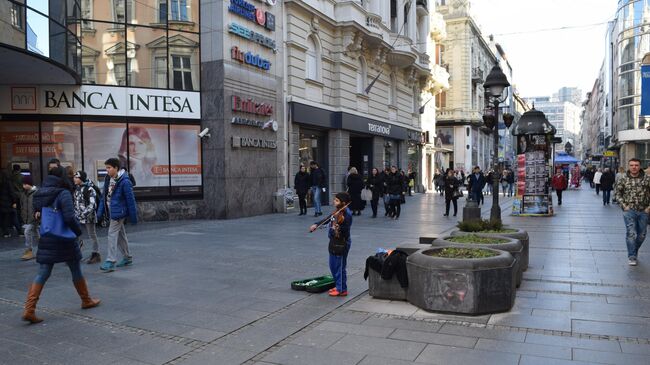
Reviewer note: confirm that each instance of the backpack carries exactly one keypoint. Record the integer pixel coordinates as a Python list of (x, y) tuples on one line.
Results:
[(98, 196)]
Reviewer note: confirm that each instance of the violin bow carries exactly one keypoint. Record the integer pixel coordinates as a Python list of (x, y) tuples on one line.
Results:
[(331, 215)]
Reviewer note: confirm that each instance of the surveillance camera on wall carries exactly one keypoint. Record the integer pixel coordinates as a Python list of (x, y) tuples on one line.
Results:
[(205, 133)]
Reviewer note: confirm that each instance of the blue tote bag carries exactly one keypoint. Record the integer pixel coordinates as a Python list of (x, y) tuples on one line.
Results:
[(53, 226)]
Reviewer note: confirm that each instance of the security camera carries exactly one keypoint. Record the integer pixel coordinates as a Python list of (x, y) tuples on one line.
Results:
[(204, 133)]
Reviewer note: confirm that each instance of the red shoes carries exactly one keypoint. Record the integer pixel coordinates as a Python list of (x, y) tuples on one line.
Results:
[(335, 293)]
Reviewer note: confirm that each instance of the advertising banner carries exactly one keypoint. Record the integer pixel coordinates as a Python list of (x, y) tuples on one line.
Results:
[(185, 159), (645, 90)]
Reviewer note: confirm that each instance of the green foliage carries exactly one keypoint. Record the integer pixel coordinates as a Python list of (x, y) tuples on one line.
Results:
[(472, 238), (484, 226), (461, 253)]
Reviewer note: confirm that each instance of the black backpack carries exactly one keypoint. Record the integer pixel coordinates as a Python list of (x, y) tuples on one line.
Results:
[(98, 196)]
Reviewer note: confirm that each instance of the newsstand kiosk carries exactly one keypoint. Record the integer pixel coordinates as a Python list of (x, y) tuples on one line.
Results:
[(534, 136)]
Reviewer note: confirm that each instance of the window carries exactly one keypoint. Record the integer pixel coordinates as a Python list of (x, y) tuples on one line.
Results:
[(162, 11), (362, 76), (120, 71), (148, 156), (185, 164), (62, 140), (160, 72), (123, 11), (181, 73), (441, 100), (88, 74), (20, 145), (313, 64), (392, 91), (87, 14), (17, 16), (178, 10)]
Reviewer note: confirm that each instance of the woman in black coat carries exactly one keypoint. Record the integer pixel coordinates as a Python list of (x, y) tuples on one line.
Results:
[(375, 184), (607, 184), (395, 188), (451, 186), (7, 201), (301, 184), (52, 250), (355, 185)]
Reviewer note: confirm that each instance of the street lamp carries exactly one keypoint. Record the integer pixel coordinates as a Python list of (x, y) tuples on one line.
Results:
[(495, 85)]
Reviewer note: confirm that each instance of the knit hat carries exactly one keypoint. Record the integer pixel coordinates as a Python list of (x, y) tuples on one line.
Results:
[(27, 179), (81, 175), (343, 197)]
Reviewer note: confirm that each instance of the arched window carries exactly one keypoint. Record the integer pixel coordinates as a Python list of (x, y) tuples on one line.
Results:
[(313, 61), (362, 75), (392, 91)]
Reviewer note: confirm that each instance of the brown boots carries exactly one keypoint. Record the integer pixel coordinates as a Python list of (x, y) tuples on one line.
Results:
[(86, 300), (29, 314), (34, 293)]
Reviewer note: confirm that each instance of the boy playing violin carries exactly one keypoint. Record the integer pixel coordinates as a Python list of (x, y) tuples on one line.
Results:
[(339, 235)]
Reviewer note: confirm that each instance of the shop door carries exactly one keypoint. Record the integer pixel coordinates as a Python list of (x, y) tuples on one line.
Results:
[(361, 155), (313, 147)]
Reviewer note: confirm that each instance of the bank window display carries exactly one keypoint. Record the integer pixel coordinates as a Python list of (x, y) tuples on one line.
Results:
[(147, 150), (185, 164), (101, 141), (19, 144), (62, 140)]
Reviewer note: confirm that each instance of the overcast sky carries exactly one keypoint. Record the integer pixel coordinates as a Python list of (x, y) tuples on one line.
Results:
[(544, 61)]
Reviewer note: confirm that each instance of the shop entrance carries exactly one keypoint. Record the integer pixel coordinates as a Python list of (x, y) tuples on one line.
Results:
[(313, 147), (361, 154)]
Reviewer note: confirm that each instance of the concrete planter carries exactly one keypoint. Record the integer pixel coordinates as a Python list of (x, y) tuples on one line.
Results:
[(521, 235), (514, 246), (467, 286), (385, 289)]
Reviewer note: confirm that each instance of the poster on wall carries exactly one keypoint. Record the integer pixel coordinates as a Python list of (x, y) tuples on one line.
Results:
[(102, 141), (148, 156), (185, 159), (532, 195), (535, 205), (446, 135)]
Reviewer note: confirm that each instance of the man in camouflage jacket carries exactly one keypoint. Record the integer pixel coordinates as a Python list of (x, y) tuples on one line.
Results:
[(633, 195)]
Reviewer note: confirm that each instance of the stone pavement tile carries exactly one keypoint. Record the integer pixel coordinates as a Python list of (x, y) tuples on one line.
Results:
[(589, 316), (355, 329), (611, 329), (349, 317), (497, 334), (575, 298), (202, 334), (257, 338), (524, 320), (610, 290), (623, 309), (167, 327), (636, 348), (155, 351), (404, 324), (421, 313), (302, 314), (218, 355), (394, 349), (537, 303), (398, 308), (376, 360), (298, 355), (574, 342), (317, 338), (434, 338), (572, 280), (526, 294), (536, 360), (210, 320), (601, 357), (524, 348), (445, 355)]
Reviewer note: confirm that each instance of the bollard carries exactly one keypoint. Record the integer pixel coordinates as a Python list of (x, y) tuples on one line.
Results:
[(471, 211)]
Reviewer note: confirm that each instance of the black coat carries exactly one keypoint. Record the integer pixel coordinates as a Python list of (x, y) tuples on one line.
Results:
[(317, 177), (355, 185), (51, 250), (7, 196), (451, 184), (375, 185), (302, 182), (607, 181), (394, 184)]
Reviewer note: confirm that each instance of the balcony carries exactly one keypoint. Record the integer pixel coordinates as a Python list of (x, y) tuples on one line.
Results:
[(403, 55), (437, 26), (422, 8), (477, 75), (354, 14)]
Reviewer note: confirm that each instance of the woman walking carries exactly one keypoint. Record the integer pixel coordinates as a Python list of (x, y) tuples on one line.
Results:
[(375, 185), (606, 185), (301, 184), (355, 185), (395, 189), (452, 185), (56, 195)]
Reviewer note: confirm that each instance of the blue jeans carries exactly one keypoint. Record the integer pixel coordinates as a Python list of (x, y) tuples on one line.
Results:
[(315, 190), (510, 187), (45, 270), (636, 224), (338, 266), (606, 196)]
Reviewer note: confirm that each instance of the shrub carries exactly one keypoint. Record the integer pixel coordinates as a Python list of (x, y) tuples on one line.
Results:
[(461, 253), (472, 238), (485, 226)]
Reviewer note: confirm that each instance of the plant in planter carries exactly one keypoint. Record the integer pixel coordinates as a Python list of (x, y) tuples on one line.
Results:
[(481, 240), (461, 280), (496, 228)]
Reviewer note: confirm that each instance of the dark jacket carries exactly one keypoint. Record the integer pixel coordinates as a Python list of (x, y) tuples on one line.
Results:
[(317, 177), (389, 265), (51, 250), (607, 181), (355, 184), (122, 200), (302, 183), (7, 195), (394, 184), (511, 177), (477, 183), (375, 185), (27, 206), (451, 183), (344, 228)]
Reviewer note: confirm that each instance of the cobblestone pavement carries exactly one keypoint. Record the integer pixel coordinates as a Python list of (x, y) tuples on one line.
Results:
[(218, 293)]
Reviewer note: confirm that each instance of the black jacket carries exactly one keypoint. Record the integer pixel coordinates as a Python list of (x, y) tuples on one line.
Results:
[(7, 194), (355, 184), (607, 181), (317, 177), (451, 184), (375, 184), (389, 265), (394, 184), (50, 250), (302, 182)]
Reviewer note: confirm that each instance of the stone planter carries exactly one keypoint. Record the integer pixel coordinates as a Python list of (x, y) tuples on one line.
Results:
[(521, 235), (514, 246), (467, 286), (385, 289)]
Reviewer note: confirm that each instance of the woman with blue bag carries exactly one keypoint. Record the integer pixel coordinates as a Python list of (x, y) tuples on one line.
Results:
[(59, 230)]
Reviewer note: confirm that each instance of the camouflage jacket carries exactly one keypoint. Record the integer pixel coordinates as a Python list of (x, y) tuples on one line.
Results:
[(634, 192)]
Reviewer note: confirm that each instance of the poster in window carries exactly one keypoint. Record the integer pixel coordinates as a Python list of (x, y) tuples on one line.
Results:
[(185, 159), (148, 156), (101, 142)]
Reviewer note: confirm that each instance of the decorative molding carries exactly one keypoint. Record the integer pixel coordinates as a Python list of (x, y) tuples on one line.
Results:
[(353, 43), (315, 25)]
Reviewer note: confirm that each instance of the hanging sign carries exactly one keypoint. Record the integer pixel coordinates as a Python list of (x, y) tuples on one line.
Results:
[(645, 90)]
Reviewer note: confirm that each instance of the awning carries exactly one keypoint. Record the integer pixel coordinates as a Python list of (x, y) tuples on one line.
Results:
[(563, 157)]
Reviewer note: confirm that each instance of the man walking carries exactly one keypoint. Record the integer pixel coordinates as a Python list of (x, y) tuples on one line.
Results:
[(559, 183), (633, 195), (317, 186), (477, 183), (606, 185), (118, 202)]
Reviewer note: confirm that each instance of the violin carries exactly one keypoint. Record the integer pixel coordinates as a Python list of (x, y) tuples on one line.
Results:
[(336, 218)]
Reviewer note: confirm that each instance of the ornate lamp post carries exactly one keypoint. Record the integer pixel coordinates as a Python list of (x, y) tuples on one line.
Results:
[(496, 93)]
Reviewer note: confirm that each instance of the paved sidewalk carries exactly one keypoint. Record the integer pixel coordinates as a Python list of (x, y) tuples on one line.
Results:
[(218, 293)]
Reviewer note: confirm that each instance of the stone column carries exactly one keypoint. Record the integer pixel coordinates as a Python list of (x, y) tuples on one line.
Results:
[(339, 159)]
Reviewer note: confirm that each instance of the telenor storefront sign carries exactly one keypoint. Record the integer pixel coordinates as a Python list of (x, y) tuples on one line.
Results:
[(100, 100)]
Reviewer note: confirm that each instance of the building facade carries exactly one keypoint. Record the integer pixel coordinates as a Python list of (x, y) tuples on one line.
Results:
[(594, 122), (469, 57)]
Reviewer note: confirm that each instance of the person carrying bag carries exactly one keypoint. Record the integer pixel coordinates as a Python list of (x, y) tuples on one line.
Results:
[(59, 231)]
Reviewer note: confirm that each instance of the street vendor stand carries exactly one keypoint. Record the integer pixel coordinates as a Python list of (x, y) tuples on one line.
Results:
[(534, 136)]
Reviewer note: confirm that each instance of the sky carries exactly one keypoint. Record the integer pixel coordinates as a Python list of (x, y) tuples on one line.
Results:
[(544, 61)]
